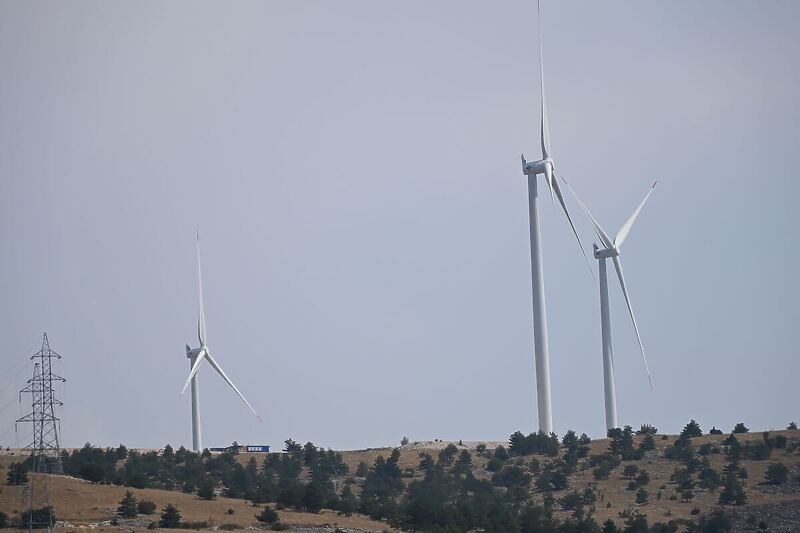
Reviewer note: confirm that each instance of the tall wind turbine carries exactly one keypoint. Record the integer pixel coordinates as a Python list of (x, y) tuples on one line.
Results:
[(197, 356), (611, 249), (545, 167)]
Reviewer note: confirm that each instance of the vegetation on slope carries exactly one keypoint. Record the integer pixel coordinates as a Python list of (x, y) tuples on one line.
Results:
[(537, 483)]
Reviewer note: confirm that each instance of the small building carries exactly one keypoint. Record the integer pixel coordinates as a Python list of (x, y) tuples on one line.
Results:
[(249, 448)]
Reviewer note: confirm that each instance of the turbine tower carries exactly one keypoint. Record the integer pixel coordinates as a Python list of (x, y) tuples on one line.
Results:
[(610, 250), (545, 167), (197, 356)]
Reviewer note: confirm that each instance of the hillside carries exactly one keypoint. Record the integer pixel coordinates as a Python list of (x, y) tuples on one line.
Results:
[(81, 503)]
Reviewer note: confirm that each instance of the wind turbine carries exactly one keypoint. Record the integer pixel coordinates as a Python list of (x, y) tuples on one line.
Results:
[(611, 249), (197, 356), (532, 169)]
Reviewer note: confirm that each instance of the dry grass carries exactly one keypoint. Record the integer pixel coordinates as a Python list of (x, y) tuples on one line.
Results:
[(83, 503)]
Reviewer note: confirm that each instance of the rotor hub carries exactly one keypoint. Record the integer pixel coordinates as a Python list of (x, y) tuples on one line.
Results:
[(605, 253)]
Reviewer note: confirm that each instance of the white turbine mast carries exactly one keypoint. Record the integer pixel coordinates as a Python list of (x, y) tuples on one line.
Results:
[(197, 356), (610, 249), (532, 169)]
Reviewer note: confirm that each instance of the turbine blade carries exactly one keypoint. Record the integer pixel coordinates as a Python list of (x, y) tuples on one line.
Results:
[(623, 231), (560, 196), (545, 129), (601, 233), (195, 366), (201, 315), (618, 267), (229, 382), (548, 174)]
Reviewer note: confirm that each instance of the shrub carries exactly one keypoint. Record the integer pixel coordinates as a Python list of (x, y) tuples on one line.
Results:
[(404, 441), (511, 476), (203, 524), (230, 527), (602, 471), (571, 501), (682, 478), (501, 453), (279, 526), (630, 471), (641, 496), (792, 426), (41, 518), (3, 520), (777, 474), (759, 451), (715, 431), (715, 522), (146, 507), (494, 465), (740, 428), (447, 455), (648, 443)]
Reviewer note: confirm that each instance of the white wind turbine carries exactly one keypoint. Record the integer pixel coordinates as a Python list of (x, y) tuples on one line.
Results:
[(197, 356), (546, 167), (611, 249)]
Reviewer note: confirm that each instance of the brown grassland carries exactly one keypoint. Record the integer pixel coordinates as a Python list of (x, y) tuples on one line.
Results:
[(85, 504)]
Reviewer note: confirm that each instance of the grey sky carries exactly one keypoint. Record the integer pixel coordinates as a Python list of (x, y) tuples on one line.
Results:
[(353, 168)]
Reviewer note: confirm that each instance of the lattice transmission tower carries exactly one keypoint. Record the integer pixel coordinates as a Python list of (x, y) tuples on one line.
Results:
[(45, 449)]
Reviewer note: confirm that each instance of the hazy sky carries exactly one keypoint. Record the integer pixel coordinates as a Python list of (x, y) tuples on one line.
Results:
[(353, 168)]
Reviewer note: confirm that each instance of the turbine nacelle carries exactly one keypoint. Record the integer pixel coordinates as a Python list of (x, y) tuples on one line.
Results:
[(605, 253), (191, 353), (537, 167)]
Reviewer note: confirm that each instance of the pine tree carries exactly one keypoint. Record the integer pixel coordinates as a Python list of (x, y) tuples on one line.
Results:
[(692, 429), (170, 517), (348, 503), (609, 527), (740, 428), (205, 489), (17, 474), (128, 506), (733, 492), (313, 498), (641, 496)]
